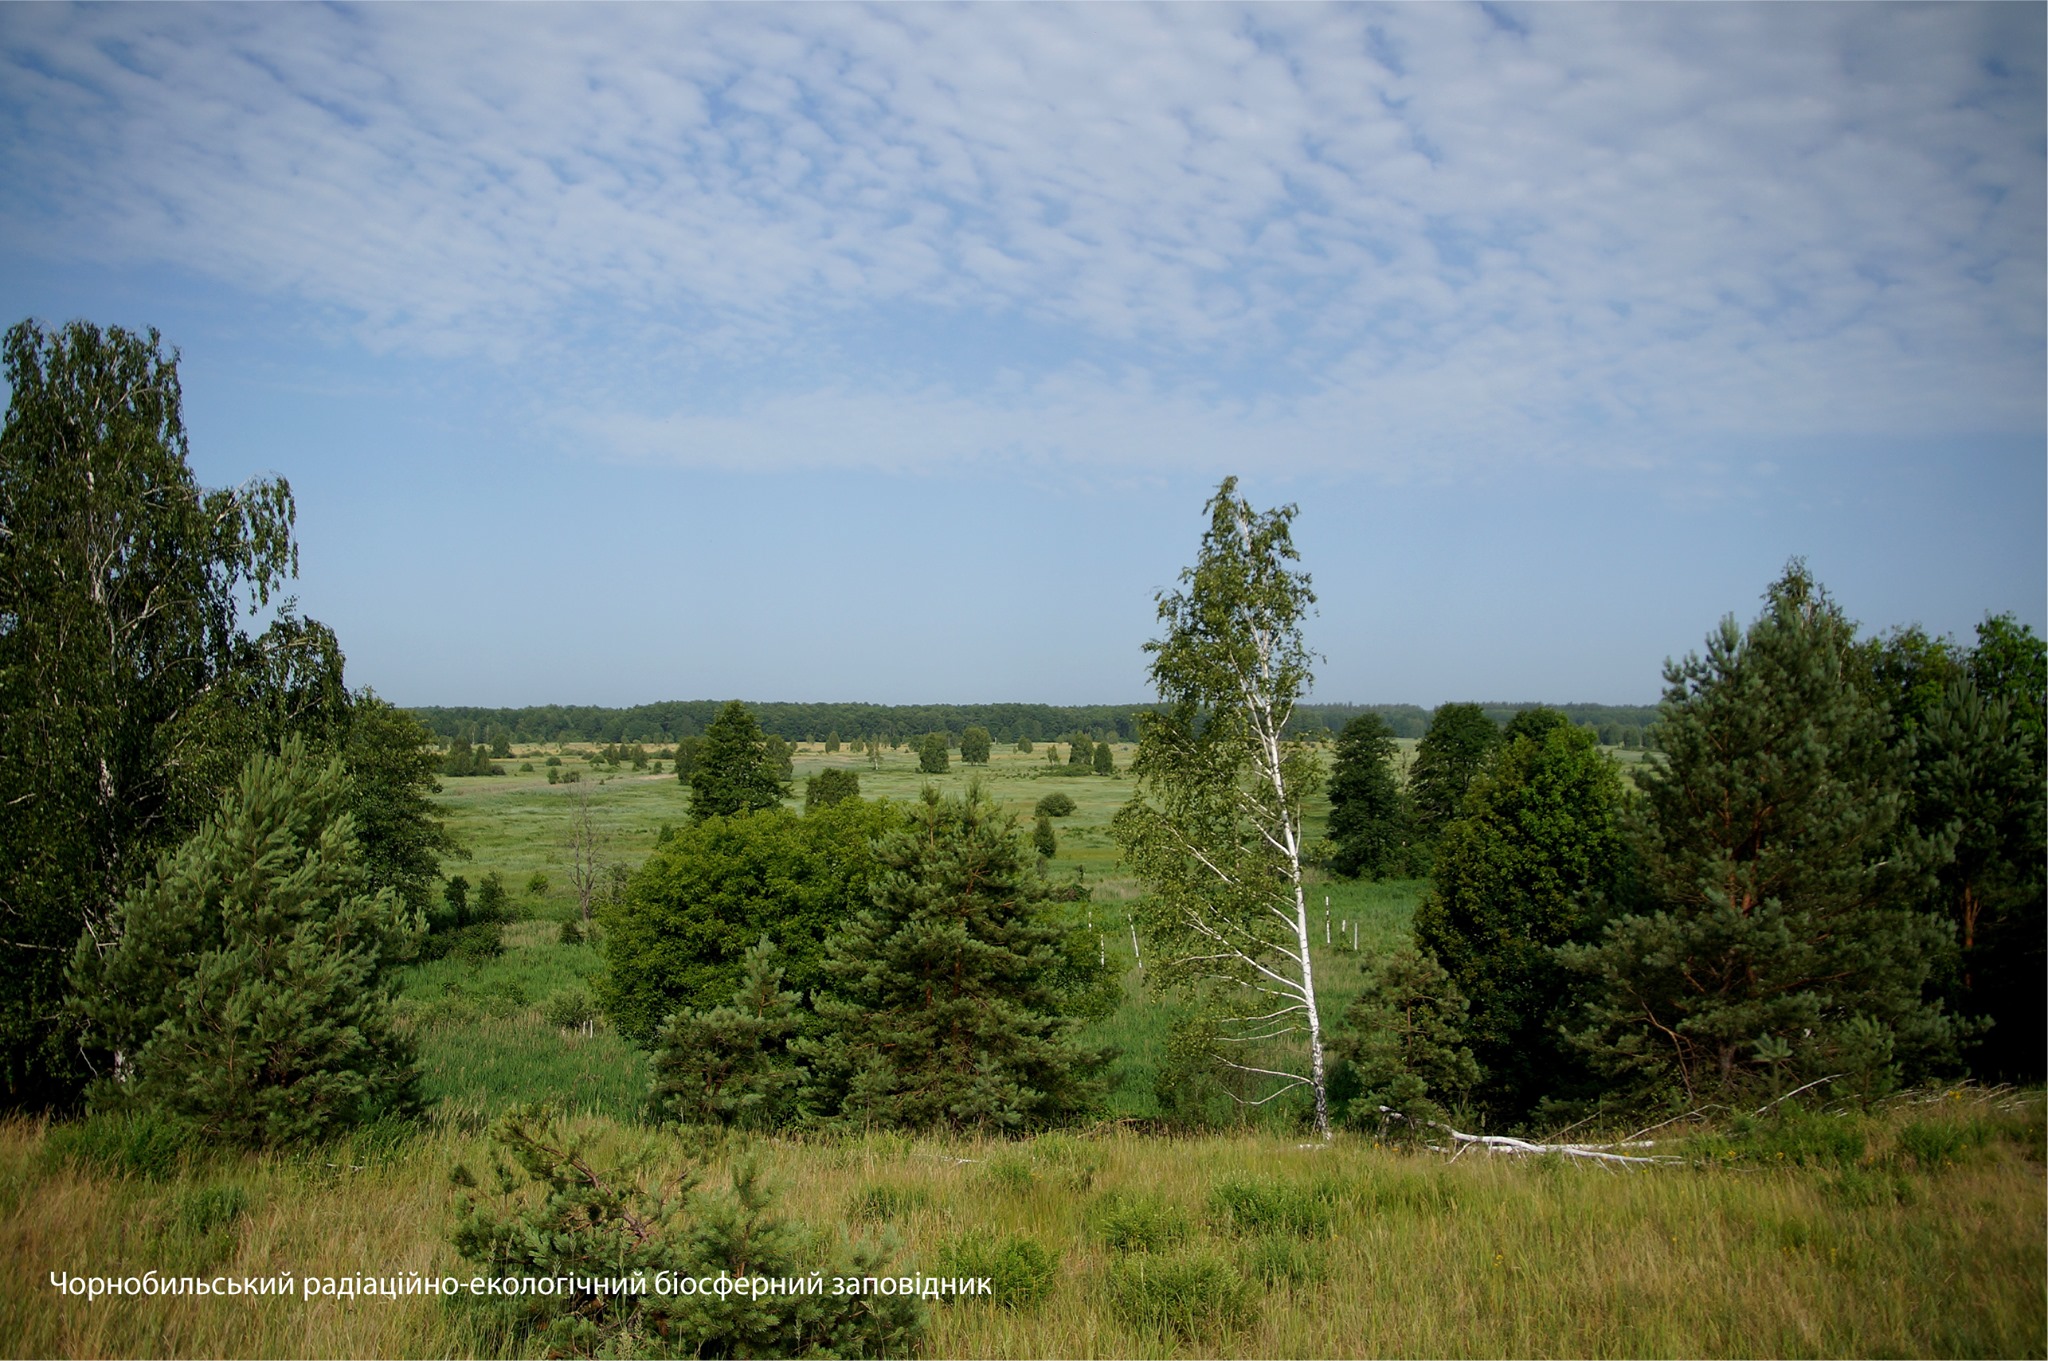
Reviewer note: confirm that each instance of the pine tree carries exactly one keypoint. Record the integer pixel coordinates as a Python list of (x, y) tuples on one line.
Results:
[(1401, 1052), (1776, 929), (1366, 816), (731, 1065), (1105, 759), (1538, 853), (954, 999), (1043, 840), (734, 770), (246, 988)]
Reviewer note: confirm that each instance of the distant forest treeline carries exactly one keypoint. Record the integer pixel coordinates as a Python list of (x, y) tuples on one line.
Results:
[(1618, 724)]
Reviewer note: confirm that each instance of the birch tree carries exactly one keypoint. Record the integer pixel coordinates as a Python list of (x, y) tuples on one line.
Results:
[(1214, 829)]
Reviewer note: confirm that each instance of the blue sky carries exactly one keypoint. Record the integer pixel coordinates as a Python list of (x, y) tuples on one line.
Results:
[(889, 353)]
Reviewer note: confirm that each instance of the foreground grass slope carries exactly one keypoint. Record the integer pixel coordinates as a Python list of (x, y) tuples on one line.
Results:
[(1917, 1231)]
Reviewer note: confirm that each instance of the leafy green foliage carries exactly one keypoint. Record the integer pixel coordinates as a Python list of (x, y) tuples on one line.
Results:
[(829, 786), (1105, 759), (954, 999), (931, 754), (1367, 816), (556, 1212), (974, 746), (129, 694), (1402, 1048), (678, 939), (1536, 855), (391, 765), (1979, 771), (1459, 739), (730, 1065), (1214, 829), (1057, 804), (1775, 942), (246, 987), (732, 770)]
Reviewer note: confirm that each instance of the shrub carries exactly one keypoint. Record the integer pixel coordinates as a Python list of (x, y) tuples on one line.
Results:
[(569, 1009), (574, 1218), (570, 934), (538, 884), (1055, 805), (490, 898), (1020, 1270), (1043, 839), (1194, 1297), (554, 761)]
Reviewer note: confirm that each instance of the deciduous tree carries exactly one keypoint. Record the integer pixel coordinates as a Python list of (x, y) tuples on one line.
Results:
[(1215, 826), (130, 694)]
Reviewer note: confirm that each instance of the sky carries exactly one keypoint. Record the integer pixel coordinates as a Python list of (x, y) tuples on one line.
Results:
[(890, 353)]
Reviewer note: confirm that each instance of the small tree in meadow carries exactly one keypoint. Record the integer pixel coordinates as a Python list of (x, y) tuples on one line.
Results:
[(830, 786), (1105, 759), (974, 746), (1042, 838), (931, 754)]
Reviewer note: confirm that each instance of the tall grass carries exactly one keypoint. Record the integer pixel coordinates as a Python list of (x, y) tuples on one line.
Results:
[(1347, 1251)]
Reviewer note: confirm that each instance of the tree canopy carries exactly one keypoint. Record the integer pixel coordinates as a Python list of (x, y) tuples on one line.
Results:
[(247, 988), (733, 770), (130, 693), (678, 938), (1367, 817), (955, 997), (1776, 938)]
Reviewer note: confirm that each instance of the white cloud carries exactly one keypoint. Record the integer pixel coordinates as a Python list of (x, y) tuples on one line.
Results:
[(1459, 238)]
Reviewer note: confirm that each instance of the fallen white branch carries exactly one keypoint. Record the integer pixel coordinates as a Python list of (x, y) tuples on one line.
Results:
[(1502, 1143)]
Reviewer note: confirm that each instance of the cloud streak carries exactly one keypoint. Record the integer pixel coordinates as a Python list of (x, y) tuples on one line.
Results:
[(1358, 238)]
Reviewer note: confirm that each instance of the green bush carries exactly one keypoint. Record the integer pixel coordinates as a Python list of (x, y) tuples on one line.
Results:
[(1266, 1207), (1139, 1223), (1194, 1297), (1020, 1270), (1055, 805), (570, 934), (1792, 1138), (569, 1009), (557, 1213)]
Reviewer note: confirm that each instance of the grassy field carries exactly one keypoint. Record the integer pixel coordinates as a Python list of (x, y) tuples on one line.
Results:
[(1917, 1229), (1919, 1235)]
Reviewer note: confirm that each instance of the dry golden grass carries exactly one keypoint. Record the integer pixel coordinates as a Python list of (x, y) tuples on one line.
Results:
[(1410, 1255)]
